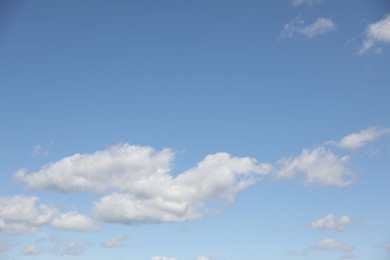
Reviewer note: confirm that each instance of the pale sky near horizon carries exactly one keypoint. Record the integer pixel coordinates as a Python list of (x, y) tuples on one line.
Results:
[(195, 130)]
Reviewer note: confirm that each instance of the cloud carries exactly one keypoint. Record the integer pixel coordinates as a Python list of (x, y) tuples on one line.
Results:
[(3, 247), (357, 140), (329, 245), (203, 258), (319, 27), (329, 222), (163, 258), (65, 247), (335, 246), (30, 250), (308, 2), (375, 33), (117, 241), (385, 246), (318, 166), (73, 221), (20, 214), (41, 150), (100, 171), (143, 190), (217, 180)]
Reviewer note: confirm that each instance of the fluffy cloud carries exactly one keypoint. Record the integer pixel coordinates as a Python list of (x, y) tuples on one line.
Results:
[(308, 2), (144, 189), (117, 241), (20, 214), (163, 258), (355, 141), (318, 166), (329, 222), (116, 167), (74, 222), (375, 33), (319, 27), (30, 250)]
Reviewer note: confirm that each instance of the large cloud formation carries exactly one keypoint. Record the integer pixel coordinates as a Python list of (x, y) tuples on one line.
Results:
[(142, 186)]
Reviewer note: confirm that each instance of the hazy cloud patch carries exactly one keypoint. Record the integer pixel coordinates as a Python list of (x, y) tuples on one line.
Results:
[(319, 27), (375, 34)]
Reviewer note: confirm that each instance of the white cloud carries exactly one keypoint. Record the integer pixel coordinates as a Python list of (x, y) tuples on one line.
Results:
[(143, 188), (117, 241), (357, 140), (308, 2), (319, 27), (336, 246), (375, 33), (73, 221), (100, 171), (218, 178), (318, 166), (329, 222), (329, 245), (163, 258), (30, 250), (20, 214)]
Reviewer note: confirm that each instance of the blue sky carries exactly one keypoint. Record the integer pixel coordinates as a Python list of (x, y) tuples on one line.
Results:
[(194, 130)]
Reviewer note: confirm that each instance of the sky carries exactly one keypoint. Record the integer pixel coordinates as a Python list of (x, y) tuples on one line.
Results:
[(195, 130)]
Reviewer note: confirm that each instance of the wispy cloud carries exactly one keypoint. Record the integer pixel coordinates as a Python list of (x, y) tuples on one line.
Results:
[(117, 241), (330, 222), (30, 250), (298, 27), (357, 140), (41, 150), (329, 245), (375, 34), (308, 2), (163, 258)]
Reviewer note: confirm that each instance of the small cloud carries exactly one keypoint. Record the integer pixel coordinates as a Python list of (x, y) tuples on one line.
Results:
[(319, 27), (117, 241), (21, 214), (385, 246), (41, 150), (329, 245), (30, 250), (163, 258), (375, 34), (336, 246), (318, 166), (357, 140), (329, 222), (65, 247), (308, 2)]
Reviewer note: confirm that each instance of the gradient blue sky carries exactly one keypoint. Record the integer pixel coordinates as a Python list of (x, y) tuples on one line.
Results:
[(215, 130)]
